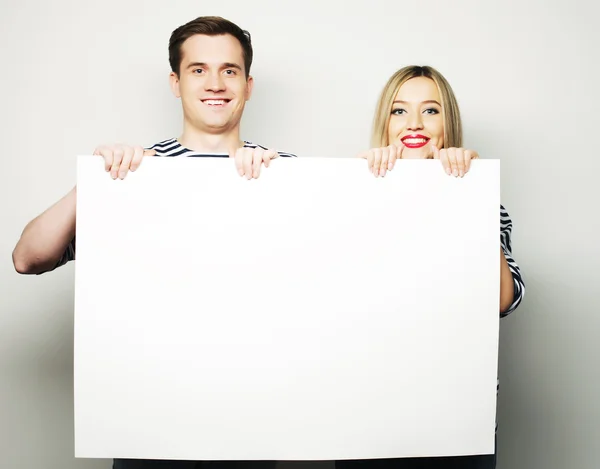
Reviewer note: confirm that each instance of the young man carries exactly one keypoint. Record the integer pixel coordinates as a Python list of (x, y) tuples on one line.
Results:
[(210, 60)]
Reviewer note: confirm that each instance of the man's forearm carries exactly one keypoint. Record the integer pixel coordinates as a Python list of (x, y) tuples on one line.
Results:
[(46, 237)]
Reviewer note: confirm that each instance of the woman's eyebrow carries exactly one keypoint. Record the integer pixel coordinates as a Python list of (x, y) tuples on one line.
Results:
[(429, 101)]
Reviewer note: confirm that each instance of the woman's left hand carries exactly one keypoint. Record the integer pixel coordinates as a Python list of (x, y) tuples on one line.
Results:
[(456, 161)]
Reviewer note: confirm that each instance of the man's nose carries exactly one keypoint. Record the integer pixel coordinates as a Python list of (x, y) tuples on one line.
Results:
[(214, 82)]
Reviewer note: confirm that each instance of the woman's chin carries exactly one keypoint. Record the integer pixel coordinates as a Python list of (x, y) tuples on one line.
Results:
[(415, 153)]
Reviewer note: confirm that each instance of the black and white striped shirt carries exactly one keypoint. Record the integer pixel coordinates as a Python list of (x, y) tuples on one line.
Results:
[(505, 243), (172, 147)]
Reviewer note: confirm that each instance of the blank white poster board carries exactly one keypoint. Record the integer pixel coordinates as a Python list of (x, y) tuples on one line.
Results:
[(315, 313)]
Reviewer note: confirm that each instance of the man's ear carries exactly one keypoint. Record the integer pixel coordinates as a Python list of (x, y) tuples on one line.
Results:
[(249, 87), (174, 82)]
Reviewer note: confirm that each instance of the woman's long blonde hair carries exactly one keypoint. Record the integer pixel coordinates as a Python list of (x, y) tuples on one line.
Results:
[(450, 111)]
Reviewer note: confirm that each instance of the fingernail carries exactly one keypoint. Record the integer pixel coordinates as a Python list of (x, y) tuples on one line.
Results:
[(455, 172), (448, 172)]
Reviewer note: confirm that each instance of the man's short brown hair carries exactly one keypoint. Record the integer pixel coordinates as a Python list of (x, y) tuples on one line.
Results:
[(209, 26)]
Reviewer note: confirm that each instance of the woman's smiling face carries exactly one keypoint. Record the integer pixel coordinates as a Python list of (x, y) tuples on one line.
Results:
[(416, 118)]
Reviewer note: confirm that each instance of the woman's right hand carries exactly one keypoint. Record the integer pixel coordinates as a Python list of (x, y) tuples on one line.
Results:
[(382, 160)]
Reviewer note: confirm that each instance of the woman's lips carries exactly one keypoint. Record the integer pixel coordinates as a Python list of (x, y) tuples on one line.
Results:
[(415, 141)]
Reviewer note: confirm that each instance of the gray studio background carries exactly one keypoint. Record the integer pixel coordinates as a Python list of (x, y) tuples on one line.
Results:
[(77, 74)]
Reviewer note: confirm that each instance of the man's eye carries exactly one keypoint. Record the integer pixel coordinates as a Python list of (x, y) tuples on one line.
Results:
[(230, 72), (198, 70)]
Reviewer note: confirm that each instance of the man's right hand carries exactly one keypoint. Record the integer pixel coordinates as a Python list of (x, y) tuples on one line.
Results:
[(249, 160), (119, 159)]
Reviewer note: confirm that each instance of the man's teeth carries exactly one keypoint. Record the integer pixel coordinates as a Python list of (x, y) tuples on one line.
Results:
[(215, 102)]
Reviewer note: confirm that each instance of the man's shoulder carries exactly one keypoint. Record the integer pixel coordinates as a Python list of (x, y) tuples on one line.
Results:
[(505, 217), (168, 147), (249, 144)]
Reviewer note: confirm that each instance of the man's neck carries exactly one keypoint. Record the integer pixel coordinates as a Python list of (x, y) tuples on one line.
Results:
[(204, 142)]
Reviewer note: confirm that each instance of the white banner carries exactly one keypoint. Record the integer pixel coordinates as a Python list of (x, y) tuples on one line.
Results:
[(315, 313)]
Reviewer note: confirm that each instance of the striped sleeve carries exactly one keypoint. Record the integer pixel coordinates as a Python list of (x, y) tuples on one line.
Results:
[(505, 243), (68, 255)]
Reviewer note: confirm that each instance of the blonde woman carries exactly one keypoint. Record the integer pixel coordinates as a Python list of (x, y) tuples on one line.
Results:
[(417, 116)]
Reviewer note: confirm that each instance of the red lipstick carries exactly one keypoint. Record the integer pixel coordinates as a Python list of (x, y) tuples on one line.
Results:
[(414, 140)]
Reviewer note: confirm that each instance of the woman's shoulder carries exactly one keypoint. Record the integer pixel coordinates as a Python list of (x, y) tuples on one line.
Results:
[(505, 220)]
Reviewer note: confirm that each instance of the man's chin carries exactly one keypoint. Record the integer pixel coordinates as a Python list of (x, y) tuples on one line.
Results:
[(218, 127)]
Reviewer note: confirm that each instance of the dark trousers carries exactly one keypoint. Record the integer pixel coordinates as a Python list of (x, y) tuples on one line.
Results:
[(462, 462), (152, 464)]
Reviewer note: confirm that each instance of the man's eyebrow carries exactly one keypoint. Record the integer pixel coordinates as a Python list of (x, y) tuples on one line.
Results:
[(429, 101), (231, 65), (196, 64), (224, 65)]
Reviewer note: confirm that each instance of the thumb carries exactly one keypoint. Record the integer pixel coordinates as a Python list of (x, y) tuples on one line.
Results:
[(234, 151), (268, 156), (435, 152), (149, 152), (399, 150), (98, 150)]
